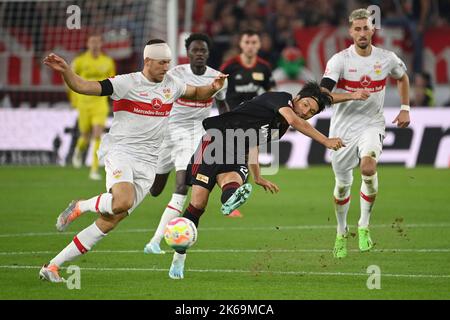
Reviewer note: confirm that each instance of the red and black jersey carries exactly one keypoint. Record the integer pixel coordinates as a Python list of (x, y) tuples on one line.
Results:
[(245, 83)]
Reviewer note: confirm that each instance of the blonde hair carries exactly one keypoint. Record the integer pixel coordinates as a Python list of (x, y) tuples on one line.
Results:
[(359, 14)]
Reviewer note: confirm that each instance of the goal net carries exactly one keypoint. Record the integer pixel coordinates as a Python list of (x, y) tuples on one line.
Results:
[(31, 29)]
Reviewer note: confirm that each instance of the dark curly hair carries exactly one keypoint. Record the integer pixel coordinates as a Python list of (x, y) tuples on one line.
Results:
[(197, 36), (312, 90)]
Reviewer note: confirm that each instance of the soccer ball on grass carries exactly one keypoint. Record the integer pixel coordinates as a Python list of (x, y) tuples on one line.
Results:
[(180, 233)]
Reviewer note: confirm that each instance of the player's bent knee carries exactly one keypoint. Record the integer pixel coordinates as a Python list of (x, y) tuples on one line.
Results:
[(121, 205), (368, 170)]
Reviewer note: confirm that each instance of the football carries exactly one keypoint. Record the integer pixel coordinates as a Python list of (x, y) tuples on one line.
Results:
[(180, 233)]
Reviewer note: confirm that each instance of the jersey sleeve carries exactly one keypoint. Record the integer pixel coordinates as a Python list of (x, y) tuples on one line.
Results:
[(180, 87), (121, 85), (335, 67), (398, 67)]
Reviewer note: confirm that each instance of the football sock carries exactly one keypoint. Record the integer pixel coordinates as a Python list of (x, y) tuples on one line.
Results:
[(94, 166), (101, 203), (179, 257), (193, 214), (173, 210), (228, 190), (82, 243), (369, 190), (82, 144), (341, 204)]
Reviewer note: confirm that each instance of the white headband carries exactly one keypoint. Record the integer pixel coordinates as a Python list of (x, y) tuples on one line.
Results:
[(157, 51)]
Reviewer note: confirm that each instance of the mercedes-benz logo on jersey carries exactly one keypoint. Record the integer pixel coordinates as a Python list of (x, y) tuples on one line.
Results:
[(156, 103), (365, 80)]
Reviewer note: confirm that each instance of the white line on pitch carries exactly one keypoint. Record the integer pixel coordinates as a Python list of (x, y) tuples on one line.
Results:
[(390, 250), (310, 273), (265, 228)]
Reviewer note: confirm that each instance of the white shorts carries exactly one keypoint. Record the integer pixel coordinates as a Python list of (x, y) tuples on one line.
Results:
[(177, 149), (368, 144), (120, 167)]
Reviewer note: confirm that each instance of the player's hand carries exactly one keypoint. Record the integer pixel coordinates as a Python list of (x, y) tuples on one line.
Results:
[(402, 119), (267, 185), (360, 95), (56, 63), (219, 81), (334, 143)]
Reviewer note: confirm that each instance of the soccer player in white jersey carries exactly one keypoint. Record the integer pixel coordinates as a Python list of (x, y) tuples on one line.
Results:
[(360, 73), (142, 102), (184, 132)]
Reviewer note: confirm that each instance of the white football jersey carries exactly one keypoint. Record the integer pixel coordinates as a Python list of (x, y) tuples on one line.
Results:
[(353, 72), (141, 110), (189, 114)]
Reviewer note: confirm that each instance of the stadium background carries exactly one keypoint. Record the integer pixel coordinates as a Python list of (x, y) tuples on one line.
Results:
[(30, 93), (38, 127)]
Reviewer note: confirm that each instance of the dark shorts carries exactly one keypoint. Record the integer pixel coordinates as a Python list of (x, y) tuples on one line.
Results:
[(203, 173)]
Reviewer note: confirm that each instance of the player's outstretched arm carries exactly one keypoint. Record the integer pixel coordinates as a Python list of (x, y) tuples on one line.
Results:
[(402, 118), (255, 170), (205, 92), (360, 95), (304, 127), (73, 81), (328, 84)]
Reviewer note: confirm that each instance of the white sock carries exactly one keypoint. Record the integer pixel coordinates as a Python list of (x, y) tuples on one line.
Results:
[(342, 204), (82, 243), (178, 257), (101, 203), (369, 190), (174, 209)]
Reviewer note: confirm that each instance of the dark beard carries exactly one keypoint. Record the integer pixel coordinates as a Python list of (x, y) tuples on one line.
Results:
[(364, 47)]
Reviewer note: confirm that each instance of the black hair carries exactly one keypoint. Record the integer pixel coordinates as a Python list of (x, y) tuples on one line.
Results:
[(248, 32), (154, 41), (197, 36), (312, 90)]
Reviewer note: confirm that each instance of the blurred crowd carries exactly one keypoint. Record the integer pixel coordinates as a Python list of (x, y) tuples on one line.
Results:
[(276, 21)]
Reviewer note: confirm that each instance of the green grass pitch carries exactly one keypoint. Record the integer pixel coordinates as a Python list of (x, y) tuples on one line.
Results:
[(280, 249)]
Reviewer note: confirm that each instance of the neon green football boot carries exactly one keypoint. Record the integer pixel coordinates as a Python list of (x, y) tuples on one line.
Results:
[(340, 246), (365, 242)]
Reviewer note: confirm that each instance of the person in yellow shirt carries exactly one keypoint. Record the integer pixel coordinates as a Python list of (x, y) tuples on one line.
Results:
[(93, 111)]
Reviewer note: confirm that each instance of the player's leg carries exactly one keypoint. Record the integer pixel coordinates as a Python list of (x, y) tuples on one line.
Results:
[(197, 205), (129, 183), (202, 177), (121, 200), (234, 189), (341, 193), (99, 116), (371, 143), (343, 161), (119, 174), (84, 127), (159, 184), (172, 210)]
